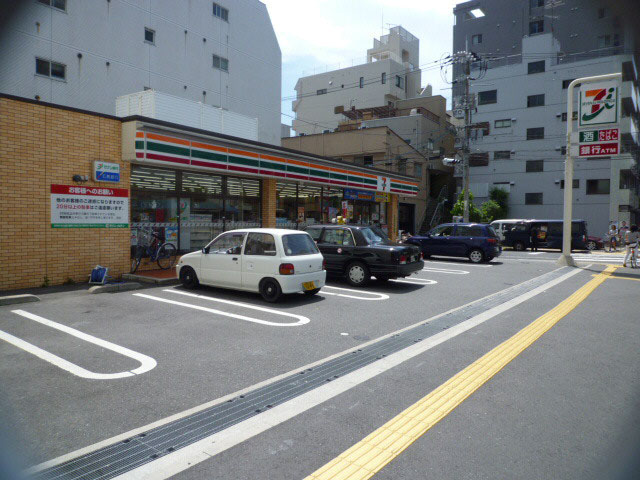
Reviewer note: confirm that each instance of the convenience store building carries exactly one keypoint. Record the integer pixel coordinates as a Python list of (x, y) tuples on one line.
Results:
[(79, 188)]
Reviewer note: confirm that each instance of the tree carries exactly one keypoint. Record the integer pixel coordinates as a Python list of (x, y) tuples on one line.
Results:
[(491, 211), (501, 197), (475, 215)]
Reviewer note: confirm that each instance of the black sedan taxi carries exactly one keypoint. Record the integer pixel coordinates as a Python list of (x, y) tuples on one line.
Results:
[(358, 252)]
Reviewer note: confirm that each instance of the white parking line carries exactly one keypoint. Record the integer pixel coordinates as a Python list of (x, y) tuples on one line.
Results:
[(445, 270), (467, 264), (375, 295), (146, 363), (536, 253), (415, 281), (301, 320)]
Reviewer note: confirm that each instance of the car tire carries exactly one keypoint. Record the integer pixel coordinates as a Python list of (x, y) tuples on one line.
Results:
[(189, 278), (519, 247), (476, 256), (311, 292), (270, 290), (357, 274), (591, 245)]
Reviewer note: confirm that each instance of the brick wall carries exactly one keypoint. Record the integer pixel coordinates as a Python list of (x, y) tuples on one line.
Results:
[(40, 146), (269, 200)]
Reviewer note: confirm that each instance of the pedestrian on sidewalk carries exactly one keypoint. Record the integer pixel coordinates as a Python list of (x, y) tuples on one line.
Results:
[(613, 238), (631, 242), (534, 239)]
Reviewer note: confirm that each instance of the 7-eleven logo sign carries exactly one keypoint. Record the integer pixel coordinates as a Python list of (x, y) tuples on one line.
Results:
[(599, 104), (384, 184)]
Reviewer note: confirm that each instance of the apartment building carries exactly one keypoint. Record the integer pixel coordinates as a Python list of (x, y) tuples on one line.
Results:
[(534, 49), (86, 53), (390, 73)]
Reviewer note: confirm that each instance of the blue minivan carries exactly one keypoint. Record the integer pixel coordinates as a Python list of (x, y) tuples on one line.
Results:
[(549, 234), (476, 241)]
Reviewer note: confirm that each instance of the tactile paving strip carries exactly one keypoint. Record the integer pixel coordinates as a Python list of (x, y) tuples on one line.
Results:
[(116, 459)]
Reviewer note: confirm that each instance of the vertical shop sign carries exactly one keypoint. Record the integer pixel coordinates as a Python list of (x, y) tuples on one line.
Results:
[(89, 207)]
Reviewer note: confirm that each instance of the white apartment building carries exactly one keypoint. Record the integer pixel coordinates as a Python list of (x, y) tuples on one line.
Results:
[(86, 53), (391, 73), (519, 141)]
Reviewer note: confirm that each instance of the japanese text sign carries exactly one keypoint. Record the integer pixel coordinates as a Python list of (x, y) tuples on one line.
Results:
[(89, 207)]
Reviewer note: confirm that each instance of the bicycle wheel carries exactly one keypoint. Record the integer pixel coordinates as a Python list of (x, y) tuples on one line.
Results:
[(135, 260), (167, 256)]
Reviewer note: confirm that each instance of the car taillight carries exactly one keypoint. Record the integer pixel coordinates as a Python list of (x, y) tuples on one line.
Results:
[(287, 269), (324, 264), (403, 259), (492, 240), (584, 238)]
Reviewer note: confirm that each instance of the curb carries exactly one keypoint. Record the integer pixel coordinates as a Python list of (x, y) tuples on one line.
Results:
[(13, 299), (151, 280), (115, 287)]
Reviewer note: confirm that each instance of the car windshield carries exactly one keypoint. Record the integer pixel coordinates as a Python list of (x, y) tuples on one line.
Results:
[(375, 236), (298, 244)]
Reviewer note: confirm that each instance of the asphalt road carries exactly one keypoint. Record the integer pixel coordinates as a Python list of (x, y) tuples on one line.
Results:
[(566, 407)]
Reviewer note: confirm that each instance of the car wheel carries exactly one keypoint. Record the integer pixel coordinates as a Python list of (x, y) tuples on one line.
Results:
[(311, 292), (188, 278), (270, 290), (476, 255), (591, 245), (519, 246), (357, 274)]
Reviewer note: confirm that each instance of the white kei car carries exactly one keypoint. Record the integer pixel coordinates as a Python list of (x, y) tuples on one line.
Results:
[(270, 261)]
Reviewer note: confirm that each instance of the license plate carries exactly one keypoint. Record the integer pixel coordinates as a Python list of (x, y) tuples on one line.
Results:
[(309, 285)]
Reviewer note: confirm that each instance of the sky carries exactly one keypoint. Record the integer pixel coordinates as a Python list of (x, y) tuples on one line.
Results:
[(323, 35)]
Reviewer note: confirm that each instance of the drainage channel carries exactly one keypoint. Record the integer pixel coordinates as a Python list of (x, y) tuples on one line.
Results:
[(116, 459)]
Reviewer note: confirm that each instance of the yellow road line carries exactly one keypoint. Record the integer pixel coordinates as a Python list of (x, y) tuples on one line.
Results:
[(617, 277), (371, 454)]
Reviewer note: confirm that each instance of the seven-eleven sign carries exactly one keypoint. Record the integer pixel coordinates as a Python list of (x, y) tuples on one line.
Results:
[(384, 184), (599, 104)]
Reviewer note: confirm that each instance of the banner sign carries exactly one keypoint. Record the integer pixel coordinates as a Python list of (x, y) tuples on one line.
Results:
[(106, 172), (599, 104), (89, 207), (597, 143)]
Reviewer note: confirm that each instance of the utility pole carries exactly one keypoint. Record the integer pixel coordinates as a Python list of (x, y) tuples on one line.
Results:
[(467, 103)]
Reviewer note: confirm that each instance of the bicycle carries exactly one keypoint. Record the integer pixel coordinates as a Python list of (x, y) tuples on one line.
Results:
[(158, 251)]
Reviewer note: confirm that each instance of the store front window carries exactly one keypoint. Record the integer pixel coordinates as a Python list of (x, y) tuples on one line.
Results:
[(286, 205), (309, 204), (332, 203), (201, 209), (242, 206)]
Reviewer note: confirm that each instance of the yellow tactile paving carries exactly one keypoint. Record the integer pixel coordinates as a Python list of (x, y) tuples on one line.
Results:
[(364, 459)]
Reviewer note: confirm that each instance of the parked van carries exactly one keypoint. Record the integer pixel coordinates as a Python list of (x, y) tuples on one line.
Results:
[(505, 224), (549, 234)]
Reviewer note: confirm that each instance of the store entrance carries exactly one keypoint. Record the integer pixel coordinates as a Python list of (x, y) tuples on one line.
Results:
[(406, 217)]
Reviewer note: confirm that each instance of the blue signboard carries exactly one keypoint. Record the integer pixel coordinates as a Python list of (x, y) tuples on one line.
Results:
[(106, 172)]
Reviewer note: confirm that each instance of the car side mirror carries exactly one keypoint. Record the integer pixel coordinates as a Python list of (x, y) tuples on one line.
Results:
[(205, 250)]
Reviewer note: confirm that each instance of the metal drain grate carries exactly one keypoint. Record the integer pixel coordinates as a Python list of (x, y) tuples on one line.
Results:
[(124, 456)]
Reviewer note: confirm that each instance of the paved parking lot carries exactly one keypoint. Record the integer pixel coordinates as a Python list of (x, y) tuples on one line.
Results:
[(77, 369)]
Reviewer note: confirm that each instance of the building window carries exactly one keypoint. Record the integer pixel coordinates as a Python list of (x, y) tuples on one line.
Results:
[(536, 27), (602, 12), (502, 155), (58, 4), (322, 91), (221, 63), (402, 166), (220, 12), (504, 123), (535, 133), (536, 67), (574, 116), (51, 69), (367, 161), (361, 82), (598, 187), (476, 39), (150, 36), (487, 97), (535, 166), (563, 150), (399, 81), (575, 183), (383, 78), (417, 170), (533, 198), (483, 127), (604, 41), (627, 180), (565, 83), (479, 159), (535, 100)]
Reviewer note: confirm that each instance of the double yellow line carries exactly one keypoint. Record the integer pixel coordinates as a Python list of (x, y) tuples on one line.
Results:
[(370, 455)]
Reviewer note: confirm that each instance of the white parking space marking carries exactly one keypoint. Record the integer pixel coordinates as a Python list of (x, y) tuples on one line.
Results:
[(536, 253), (445, 270), (301, 319), (466, 264), (415, 281), (146, 363), (374, 295)]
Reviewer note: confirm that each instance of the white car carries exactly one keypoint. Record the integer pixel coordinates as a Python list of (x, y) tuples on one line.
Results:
[(270, 261)]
